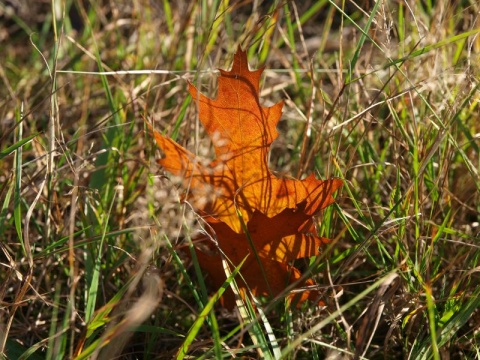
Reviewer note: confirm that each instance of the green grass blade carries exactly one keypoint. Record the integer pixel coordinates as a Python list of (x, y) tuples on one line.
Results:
[(17, 212), (95, 276), (16, 146), (192, 333)]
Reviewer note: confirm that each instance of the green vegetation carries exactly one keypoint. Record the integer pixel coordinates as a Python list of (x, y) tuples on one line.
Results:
[(94, 240)]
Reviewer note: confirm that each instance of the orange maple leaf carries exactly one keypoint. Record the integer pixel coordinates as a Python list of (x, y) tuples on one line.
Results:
[(239, 196)]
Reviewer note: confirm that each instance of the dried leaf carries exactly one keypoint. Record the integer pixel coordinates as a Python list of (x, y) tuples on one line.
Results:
[(237, 190)]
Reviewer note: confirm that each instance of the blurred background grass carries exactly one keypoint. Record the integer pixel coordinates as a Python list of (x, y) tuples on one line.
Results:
[(384, 95)]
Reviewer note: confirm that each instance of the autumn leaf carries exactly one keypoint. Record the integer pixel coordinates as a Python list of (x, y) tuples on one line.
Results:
[(243, 202)]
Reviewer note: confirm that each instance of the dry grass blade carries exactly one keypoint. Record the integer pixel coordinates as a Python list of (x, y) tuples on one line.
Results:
[(371, 317), (117, 336)]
